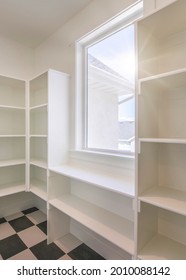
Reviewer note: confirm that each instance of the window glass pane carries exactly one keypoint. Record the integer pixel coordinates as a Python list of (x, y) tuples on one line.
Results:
[(110, 92)]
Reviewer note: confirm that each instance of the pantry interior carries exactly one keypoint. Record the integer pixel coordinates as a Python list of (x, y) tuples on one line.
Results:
[(123, 207)]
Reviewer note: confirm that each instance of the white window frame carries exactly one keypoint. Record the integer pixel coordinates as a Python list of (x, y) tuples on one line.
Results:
[(122, 20)]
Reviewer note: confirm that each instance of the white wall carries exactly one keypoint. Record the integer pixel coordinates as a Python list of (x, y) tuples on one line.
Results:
[(16, 60), (58, 52)]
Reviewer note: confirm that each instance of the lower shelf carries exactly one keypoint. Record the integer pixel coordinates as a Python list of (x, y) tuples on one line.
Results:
[(12, 188), (115, 228), (39, 188), (161, 248)]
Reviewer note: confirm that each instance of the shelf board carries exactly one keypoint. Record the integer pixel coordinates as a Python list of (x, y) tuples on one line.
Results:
[(12, 162), (11, 135), (38, 107), (39, 135), (167, 80), (163, 140), (163, 248), (8, 107), (39, 192), (167, 198), (12, 188), (115, 228), (39, 188), (121, 184), (38, 162)]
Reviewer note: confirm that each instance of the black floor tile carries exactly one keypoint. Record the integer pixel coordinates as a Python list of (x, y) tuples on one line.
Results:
[(2, 220), (10, 246), (30, 210), (42, 251), (83, 252), (21, 223), (43, 226)]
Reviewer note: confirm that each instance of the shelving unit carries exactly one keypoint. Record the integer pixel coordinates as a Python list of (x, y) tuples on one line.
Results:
[(162, 134), (48, 91), (143, 216), (162, 104), (164, 181), (12, 136), (104, 211), (38, 135), (161, 41), (120, 181), (38, 181), (38, 151)]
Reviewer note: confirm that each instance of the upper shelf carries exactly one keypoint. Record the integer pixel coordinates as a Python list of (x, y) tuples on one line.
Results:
[(123, 184), (4, 107), (168, 80), (163, 140), (39, 107), (12, 162)]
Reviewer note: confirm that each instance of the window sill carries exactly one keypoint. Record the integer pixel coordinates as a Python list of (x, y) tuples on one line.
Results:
[(108, 178)]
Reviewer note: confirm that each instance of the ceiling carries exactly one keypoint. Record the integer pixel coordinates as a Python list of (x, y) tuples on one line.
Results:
[(30, 22)]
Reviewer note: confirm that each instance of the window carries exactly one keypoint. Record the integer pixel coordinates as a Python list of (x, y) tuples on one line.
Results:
[(107, 66)]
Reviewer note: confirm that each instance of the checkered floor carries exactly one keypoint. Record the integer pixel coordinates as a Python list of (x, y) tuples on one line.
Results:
[(23, 237)]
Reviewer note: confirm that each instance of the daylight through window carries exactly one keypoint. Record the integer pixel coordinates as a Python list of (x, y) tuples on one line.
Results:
[(110, 92)]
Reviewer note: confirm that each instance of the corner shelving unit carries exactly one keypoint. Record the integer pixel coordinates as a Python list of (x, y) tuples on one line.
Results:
[(47, 93), (98, 197), (162, 134), (38, 135), (12, 136)]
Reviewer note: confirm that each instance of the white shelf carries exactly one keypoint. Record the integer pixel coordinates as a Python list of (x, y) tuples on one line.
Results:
[(41, 106), (39, 188), (167, 198), (39, 135), (12, 188), (109, 225), (11, 162), (167, 80), (38, 162), (11, 107), (161, 248), (163, 140), (12, 135), (39, 192), (121, 184)]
